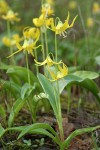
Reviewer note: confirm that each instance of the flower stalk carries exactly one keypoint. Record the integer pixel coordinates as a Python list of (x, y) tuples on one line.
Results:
[(46, 43), (27, 64), (9, 35), (35, 54)]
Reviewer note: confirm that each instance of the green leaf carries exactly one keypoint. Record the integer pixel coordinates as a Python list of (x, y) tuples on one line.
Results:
[(11, 87), (2, 112), (22, 73), (40, 128), (24, 89), (50, 91), (15, 110), (66, 143), (44, 132), (18, 72), (97, 60), (2, 131), (86, 74), (83, 79), (37, 128)]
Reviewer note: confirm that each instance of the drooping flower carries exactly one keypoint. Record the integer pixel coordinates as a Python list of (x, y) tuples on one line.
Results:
[(96, 8), (11, 41), (51, 2), (3, 7), (28, 46), (38, 22), (56, 70), (89, 22), (6, 41), (47, 9), (61, 71), (11, 16), (33, 33), (61, 27), (48, 61), (42, 21), (72, 5), (48, 22)]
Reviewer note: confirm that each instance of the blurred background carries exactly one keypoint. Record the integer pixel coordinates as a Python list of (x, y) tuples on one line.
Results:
[(80, 49)]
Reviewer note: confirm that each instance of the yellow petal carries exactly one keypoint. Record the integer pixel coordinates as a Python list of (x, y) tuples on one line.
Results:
[(14, 53), (52, 75), (39, 63), (38, 22), (48, 61), (18, 45), (73, 22)]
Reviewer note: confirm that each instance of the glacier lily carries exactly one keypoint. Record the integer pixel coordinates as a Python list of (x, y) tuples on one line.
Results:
[(61, 71), (11, 41), (28, 46), (48, 61), (47, 9), (33, 33), (11, 16), (61, 27)]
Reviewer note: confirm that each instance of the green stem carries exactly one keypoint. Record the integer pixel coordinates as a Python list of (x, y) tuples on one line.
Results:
[(43, 49), (27, 64), (46, 42), (28, 103), (9, 35), (35, 53), (69, 99), (59, 116), (56, 52), (33, 115), (42, 1), (94, 142)]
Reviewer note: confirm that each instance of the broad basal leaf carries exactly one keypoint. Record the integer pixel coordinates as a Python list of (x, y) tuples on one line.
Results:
[(50, 91), (83, 79), (66, 143), (22, 73), (15, 110), (2, 131)]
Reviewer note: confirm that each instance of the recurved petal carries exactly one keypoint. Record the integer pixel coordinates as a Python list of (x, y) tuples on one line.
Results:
[(71, 25), (14, 53), (40, 63), (18, 46)]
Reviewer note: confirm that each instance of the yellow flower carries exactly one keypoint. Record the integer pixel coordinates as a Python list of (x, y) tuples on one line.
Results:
[(96, 7), (11, 16), (28, 46), (48, 61), (17, 38), (6, 41), (47, 9), (42, 21), (48, 22), (33, 33), (61, 71), (3, 7), (11, 41), (57, 70), (90, 22), (61, 27), (72, 4), (38, 22), (51, 2)]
